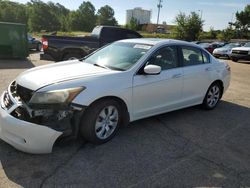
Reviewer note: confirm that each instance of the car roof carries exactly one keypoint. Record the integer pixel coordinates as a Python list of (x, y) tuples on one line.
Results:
[(157, 41)]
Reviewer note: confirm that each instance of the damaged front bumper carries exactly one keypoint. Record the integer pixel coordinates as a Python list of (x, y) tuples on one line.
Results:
[(29, 134), (26, 136)]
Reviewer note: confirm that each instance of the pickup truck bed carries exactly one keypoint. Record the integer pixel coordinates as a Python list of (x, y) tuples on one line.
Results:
[(60, 48)]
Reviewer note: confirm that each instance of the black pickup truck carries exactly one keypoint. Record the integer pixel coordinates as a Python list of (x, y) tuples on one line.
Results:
[(57, 48)]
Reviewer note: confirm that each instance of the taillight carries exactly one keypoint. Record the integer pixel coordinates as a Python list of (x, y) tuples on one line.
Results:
[(45, 43)]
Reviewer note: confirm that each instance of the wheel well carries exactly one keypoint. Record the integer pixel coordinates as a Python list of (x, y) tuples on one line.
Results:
[(221, 85), (125, 116), (73, 51)]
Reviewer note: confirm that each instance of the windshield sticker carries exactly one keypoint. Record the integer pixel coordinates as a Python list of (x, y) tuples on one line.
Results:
[(142, 46)]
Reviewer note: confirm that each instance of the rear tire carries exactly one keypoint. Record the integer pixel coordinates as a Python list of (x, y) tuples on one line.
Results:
[(212, 97), (234, 59), (101, 121)]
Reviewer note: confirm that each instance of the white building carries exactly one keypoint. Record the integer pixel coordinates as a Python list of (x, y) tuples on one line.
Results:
[(142, 16)]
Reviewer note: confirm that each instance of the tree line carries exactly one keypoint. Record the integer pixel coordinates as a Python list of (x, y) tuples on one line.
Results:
[(40, 16), (189, 27), (50, 16)]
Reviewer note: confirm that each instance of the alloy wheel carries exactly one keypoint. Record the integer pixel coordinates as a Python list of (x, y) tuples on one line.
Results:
[(213, 96), (106, 122)]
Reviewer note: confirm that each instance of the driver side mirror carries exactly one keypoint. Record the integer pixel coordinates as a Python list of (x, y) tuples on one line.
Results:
[(152, 69)]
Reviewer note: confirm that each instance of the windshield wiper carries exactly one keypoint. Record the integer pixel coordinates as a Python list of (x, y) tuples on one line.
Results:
[(116, 68), (83, 58), (98, 65)]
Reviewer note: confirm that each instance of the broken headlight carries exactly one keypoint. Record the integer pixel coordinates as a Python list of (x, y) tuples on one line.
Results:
[(56, 96)]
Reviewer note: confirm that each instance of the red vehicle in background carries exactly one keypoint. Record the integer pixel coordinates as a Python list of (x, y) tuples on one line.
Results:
[(211, 46)]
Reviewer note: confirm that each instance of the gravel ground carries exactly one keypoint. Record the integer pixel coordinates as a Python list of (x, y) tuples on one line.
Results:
[(184, 148)]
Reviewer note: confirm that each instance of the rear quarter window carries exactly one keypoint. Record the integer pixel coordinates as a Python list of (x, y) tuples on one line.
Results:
[(131, 35), (206, 57)]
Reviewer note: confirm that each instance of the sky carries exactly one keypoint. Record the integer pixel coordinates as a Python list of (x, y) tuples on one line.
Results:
[(215, 13)]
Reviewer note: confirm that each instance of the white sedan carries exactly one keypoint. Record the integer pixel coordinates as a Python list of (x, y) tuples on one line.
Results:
[(122, 82), (225, 51)]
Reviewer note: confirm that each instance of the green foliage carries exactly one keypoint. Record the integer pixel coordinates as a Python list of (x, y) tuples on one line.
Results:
[(13, 12), (74, 20), (61, 13), (55, 17), (105, 16), (158, 35), (211, 34), (50, 16), (242, 23), (226, 35), (87, 16), (84, 18), (133, 24), (188, 26), (41, 17)]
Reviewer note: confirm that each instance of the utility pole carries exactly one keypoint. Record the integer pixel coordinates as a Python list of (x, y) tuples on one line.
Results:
[(201, 13), (232, 17), (159, 6)]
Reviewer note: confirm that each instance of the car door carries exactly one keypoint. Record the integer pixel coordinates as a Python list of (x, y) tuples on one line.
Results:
[(197, 74), (153, 94)]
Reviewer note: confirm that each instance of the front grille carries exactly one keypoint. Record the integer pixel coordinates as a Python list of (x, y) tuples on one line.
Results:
[(25, 94), (7, 101), (240, 52)]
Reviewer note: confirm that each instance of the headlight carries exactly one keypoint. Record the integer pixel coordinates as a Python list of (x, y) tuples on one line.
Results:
[(249, 52), (56, 96)]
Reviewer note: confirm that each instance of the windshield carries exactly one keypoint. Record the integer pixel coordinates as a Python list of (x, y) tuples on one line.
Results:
[(204, 45), (118, 55), (231, 45), (247, 44)]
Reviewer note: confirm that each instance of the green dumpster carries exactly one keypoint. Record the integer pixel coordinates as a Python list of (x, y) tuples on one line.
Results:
[(13, 41)]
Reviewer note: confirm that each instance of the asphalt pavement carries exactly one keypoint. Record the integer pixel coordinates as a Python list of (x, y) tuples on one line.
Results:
[(185, 148)]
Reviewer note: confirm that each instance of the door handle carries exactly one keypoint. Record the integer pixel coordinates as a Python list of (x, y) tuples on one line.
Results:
[(177, 76), (208, 69)]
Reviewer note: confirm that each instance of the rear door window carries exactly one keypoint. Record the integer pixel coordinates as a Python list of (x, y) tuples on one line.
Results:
[(191, 56), (131, 35)]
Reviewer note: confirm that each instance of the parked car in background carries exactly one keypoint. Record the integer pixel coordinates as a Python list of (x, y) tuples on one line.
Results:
[(34, 44), (211, 46), (120, 83), (225, 51), (240, 53), (218, 44), (196, 42), (207, 46), (59, 48)]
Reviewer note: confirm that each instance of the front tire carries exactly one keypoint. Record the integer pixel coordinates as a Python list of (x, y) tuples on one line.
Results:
[(212, 97), (101, 121), (234, 59)]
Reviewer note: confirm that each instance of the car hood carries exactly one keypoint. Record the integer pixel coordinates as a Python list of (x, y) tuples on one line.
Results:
[(38, 77), (242, 48)]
